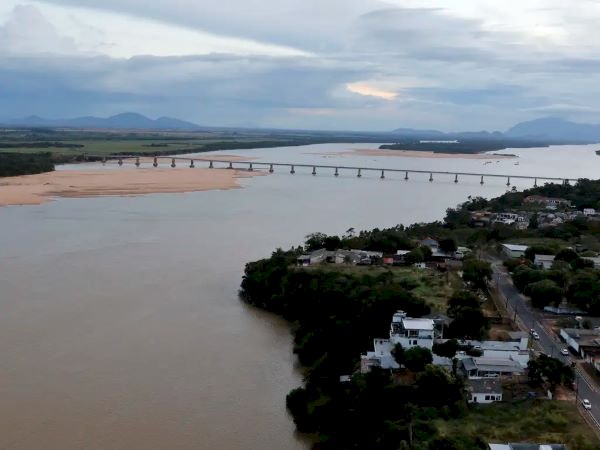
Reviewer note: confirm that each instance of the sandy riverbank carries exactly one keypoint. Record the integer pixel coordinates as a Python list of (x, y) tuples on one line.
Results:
[(41, 188), (415, 154)]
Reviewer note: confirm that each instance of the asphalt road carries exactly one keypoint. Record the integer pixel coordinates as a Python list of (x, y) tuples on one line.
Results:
[(528, 318)]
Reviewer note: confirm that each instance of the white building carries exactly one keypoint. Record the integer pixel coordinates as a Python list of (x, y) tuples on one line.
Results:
[(404, 330), (484, 391), (543, 261), (515, 350), (589, 212), (514, 250), (595, 260)]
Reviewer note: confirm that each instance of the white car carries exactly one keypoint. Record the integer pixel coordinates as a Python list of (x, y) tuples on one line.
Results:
[(564, 352), (586, 403), (535, 336)]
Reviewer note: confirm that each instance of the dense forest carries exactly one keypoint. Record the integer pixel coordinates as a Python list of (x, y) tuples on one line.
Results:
[(12, 164)]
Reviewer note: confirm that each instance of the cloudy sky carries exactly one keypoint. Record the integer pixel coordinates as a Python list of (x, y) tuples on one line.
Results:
[(320, 64)]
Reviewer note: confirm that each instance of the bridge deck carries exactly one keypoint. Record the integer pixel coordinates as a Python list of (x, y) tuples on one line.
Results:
[(270, 165)]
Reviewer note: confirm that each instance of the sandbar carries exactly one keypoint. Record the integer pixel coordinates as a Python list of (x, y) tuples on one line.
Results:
[(41, 188), (415, 154)]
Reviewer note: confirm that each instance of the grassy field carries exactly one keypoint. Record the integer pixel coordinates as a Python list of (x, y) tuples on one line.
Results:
[(150, 146), (430, 285), (541, 421)]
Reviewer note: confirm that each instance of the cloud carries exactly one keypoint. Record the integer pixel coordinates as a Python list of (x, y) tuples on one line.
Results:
[(28, 32), (363, 64)]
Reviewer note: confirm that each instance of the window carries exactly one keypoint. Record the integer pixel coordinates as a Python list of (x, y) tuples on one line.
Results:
[(488, 397)]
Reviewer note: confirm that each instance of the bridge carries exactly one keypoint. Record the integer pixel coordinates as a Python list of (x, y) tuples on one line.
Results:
[(215, 163)]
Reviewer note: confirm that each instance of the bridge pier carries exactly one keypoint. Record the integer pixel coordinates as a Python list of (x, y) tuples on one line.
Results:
[(173, 165), (230, 165), (508, 182), (271, 170), (210, 165), (192, 164), (406, 176), (155, 163), (120, 161), (566, 182), (431, 177), (250, 168), (337, 173), (456, 178), (481, 182), (104, 160), (314, 172), (137, 161), (535, 183), (382, 175), (359, 174), (292, 170)]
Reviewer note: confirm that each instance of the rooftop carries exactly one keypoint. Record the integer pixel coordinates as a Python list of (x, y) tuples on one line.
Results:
[(544, 257), (497, 365), (417, 324), (516, 247), (485, 386), (527, 446)]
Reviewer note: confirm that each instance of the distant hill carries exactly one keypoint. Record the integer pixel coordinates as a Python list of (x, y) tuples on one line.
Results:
[(555, 129), (548, 129), (120, 121)]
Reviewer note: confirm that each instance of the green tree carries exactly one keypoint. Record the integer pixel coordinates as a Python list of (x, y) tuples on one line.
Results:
[(584, 291), (398, 353), (416, 358), (448, 245), (446, 349), (544, 293), (552, 371), (477, 272), (469, 321), (567, 255)]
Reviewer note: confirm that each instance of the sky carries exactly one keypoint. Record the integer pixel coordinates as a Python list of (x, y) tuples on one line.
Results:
[(366, 65)]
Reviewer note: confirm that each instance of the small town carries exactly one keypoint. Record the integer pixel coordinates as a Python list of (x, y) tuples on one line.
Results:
[(510, 320)]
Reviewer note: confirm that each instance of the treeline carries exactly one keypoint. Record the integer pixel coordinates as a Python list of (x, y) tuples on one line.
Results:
[(12, 164), (462, 146), (40, 145), (571, 277)]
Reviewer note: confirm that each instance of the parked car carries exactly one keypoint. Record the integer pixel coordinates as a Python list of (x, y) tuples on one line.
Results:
[(586, 403), (564, 352), (535, 336)]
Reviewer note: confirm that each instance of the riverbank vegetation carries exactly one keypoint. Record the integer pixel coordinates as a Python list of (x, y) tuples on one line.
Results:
[(466, 146), (13, 164)]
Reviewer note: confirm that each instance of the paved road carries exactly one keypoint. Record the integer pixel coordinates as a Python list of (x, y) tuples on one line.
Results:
[(528, 318)]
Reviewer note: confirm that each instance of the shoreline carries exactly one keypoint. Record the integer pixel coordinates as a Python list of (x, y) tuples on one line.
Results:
[(415, 154), (41, 188)]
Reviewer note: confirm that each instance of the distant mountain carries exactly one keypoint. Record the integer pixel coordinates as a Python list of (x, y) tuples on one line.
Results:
[(120, 121), (548, 129), (555, 129)]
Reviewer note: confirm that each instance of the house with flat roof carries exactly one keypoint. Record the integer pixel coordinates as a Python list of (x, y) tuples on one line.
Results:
[(407, 331), (474, 368), (543, 261), (514, 250), (484, 390), (514, 350)]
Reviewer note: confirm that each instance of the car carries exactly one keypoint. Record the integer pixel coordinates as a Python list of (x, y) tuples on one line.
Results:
[(535, 336), (564, 352), (586, 403)]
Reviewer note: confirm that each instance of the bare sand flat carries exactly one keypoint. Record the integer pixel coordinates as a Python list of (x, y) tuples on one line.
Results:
[(415, 154), (38, 189)]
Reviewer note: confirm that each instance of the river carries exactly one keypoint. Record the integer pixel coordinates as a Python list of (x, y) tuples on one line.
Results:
[(120, 326)]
